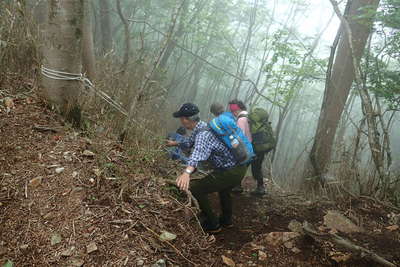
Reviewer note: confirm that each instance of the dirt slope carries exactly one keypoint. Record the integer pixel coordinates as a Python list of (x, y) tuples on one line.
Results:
[(61, 197), (70, 200)]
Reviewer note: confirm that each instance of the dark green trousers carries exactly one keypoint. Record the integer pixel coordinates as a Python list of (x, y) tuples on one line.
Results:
[(221, 182), (256, 167)]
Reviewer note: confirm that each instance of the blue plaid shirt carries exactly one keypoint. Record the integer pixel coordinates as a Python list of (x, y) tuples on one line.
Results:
[(208, 147)]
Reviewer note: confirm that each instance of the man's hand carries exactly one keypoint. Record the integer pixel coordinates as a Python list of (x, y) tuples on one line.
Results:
[(172, 143), (183, 181)]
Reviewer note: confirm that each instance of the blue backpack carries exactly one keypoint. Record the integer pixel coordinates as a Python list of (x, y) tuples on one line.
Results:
[(225, 127)]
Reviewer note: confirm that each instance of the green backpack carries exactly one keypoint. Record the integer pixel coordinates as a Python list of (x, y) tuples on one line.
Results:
[(261, 130)]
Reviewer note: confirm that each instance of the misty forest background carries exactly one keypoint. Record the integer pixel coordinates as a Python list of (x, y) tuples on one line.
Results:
[(327, 72)]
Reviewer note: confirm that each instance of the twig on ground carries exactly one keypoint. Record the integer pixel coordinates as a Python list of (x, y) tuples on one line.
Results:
[(381, 202), (169, 243), (347, 244), (26, 189), (124, 221), (44, 129), (194, 215)]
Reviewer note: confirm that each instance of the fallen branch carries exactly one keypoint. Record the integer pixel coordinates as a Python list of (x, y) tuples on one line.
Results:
[(44, 129), (347, 244), (126, 221)]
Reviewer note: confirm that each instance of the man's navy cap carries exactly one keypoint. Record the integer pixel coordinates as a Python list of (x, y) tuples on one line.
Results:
[(186, 110)]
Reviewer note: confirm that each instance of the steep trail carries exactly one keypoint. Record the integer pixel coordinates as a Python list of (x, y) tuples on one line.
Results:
[(70, 200)]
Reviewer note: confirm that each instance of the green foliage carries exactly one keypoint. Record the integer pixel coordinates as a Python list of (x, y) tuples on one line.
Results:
[(8, 264), (289, 67), (385, 83), (389, 14), (384, 58)]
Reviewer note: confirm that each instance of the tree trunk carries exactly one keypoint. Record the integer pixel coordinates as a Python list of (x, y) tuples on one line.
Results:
[(246, 45), (338, 86), (127, 36), (178, 34), (63, 53), (105, 23), (88, 58), (39, 12)]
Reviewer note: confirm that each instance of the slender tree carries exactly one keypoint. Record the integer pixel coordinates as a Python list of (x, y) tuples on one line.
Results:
[(105, 22)]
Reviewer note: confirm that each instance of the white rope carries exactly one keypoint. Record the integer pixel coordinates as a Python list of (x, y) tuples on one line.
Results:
[(66, 76)]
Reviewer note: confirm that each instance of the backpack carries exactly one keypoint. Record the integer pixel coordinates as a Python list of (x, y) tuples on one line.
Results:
[(261, 130), (225, 128)]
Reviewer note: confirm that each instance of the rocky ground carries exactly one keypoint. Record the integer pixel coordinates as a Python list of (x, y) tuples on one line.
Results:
[(69, 198)]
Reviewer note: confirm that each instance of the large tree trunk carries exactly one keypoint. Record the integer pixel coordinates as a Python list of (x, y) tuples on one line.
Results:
[(105, 23), (338, 85), (63, 53), (88, 58)]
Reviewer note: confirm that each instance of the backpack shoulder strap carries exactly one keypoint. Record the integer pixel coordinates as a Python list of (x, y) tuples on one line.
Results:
[(204, 129)]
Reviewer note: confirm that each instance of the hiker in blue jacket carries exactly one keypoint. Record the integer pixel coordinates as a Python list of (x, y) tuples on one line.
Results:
[(226, 174), (177, 153)]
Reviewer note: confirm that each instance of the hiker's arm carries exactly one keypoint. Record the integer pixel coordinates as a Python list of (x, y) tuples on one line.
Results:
[(243, 124), (183, 180), (172, 143)]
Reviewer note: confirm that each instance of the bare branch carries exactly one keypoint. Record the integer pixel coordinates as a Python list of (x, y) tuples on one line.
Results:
[(209, 63)]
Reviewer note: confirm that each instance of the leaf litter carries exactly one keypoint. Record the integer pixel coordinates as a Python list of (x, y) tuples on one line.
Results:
[(123, 217)]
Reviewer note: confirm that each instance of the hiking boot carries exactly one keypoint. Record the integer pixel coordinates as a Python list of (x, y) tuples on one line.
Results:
[(237, 189), (211, 228), (259, 191), (224, 222)]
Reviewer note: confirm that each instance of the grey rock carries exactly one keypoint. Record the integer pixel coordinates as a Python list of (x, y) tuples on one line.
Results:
[(335, 220), (76, 262), (55, 239), (160, 263)]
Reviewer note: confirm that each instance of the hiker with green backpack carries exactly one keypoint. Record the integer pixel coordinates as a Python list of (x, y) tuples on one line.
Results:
[(261, 135)]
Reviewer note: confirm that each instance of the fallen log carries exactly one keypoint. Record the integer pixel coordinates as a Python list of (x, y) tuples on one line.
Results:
[(344, 243)]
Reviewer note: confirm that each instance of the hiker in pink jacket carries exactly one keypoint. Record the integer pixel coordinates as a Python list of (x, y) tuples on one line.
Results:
[(239, 110)]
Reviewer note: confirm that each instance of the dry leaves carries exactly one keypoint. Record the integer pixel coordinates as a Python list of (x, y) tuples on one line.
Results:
[(228, 261), (340, 257), (393, 228)]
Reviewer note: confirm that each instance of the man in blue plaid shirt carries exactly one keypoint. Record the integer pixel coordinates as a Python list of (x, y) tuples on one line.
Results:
[(226, 174)]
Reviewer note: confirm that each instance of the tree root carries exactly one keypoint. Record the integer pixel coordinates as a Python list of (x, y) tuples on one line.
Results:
[(347, 244)]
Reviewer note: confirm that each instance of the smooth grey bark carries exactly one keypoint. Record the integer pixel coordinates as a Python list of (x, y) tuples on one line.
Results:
[(63, 53)]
